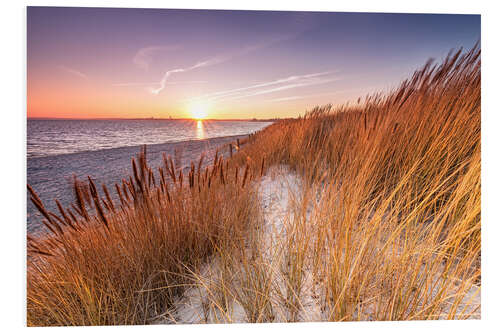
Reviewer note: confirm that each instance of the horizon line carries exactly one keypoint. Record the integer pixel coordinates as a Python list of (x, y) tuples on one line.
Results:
[(155, 118)]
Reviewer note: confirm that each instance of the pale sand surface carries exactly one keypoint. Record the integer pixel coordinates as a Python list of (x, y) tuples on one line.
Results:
[(277, 191)]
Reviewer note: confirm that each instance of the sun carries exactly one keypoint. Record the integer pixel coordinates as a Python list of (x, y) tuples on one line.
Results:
[(199, 110)]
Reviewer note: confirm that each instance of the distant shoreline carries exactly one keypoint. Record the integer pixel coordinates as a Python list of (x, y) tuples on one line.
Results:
[(190, 119)]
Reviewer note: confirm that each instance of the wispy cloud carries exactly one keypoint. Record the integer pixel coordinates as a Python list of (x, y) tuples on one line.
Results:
[(166, 76), (225, 93), (73, 72), (296, 97), (291, 82), (289, 98), (218, 60), (145, 84), (145, 55)]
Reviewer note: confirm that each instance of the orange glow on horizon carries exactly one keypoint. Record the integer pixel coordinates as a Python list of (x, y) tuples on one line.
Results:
[(199, 110)]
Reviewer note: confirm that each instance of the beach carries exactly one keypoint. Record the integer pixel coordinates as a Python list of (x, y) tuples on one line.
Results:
[(52, 176)]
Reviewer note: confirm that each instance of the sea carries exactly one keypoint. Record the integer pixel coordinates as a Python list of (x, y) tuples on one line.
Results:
[(58, 150)]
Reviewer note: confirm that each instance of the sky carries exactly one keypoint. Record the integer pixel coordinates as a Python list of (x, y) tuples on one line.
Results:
[(143, 63)]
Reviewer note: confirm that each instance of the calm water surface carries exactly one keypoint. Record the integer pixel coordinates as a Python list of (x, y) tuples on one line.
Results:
[(55, 137)]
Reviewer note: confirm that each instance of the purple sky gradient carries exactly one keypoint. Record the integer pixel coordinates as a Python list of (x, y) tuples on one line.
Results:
[(127, 63)]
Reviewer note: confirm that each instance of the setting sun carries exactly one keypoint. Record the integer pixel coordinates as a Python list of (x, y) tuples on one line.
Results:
[(199, 110)]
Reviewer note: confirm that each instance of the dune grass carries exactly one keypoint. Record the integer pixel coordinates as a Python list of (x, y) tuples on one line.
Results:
[(395, 233), (126, 263), (386, 225)]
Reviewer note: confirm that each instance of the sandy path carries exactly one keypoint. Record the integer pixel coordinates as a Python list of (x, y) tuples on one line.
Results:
[(278, 190)]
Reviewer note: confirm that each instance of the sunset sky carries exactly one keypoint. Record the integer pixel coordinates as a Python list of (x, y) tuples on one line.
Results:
[(141, 63)]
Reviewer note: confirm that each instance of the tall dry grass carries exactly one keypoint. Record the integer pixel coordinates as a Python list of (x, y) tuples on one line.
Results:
[(392, 225), (113, 263), (385, 227), (393, 190)]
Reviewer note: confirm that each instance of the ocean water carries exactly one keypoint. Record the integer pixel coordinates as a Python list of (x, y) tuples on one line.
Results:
[(56, 137), (58, 150)]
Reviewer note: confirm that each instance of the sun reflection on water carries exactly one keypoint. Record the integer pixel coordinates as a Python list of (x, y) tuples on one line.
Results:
[(200, 130)]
